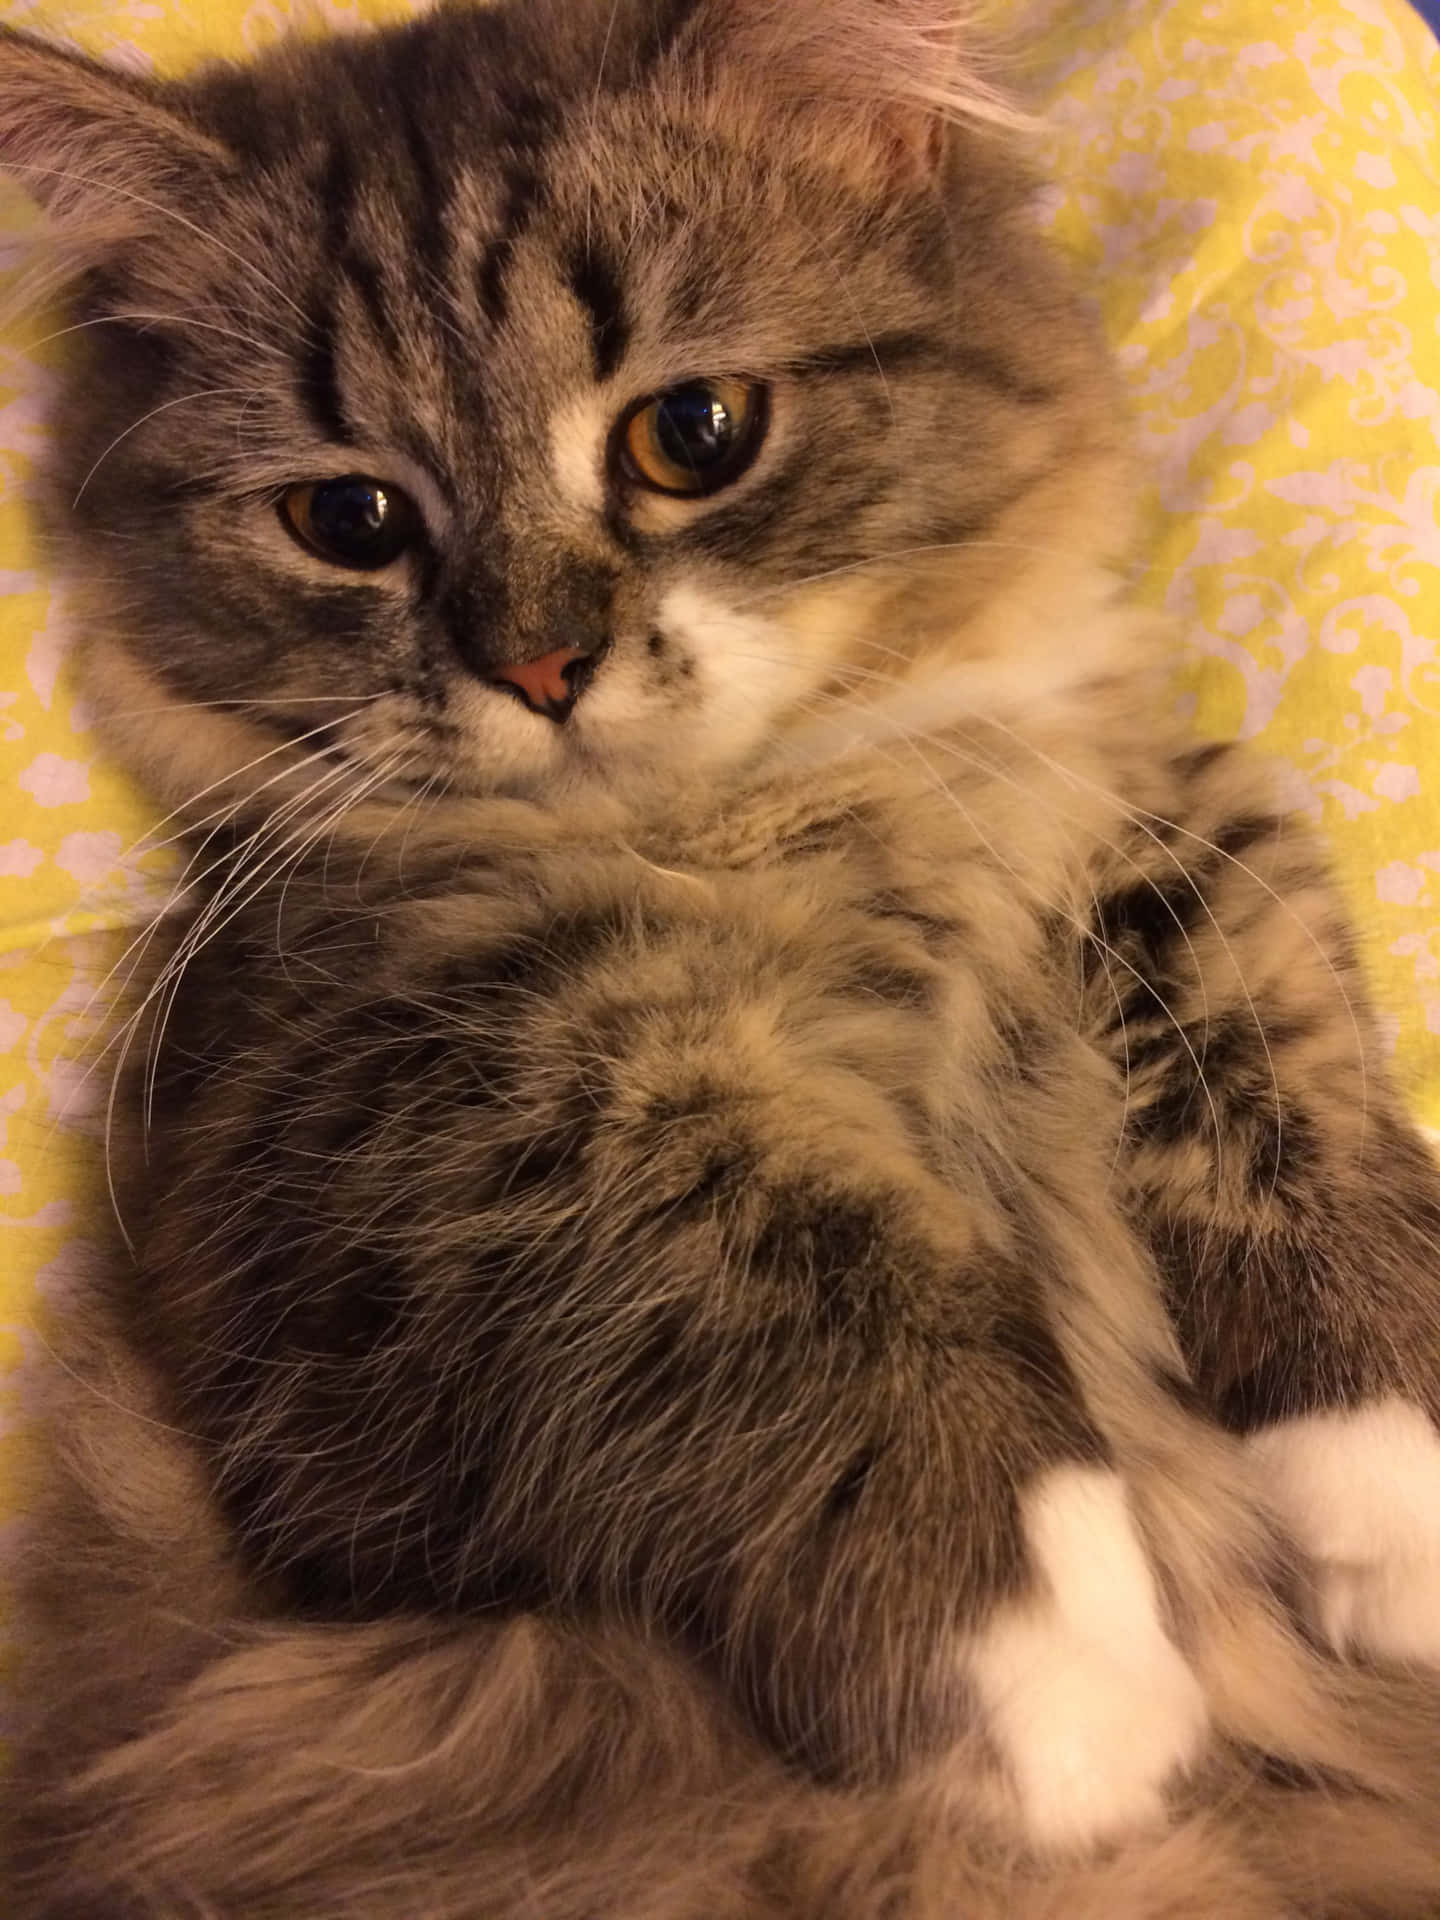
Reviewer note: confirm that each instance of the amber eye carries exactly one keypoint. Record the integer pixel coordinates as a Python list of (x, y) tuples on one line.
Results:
[(695, 438), (352, 522)]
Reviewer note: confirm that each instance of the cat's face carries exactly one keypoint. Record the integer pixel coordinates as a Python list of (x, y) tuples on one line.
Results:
[(542, 397)]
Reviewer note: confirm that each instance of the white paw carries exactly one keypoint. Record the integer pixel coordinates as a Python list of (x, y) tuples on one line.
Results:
[(1088, 1699), (1360, 1493)]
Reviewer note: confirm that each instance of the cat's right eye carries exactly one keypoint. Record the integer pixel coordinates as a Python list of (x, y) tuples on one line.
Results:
[(696, 438), (354, 522)]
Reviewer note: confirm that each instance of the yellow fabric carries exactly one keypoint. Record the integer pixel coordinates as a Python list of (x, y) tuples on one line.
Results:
[(1257, 186)]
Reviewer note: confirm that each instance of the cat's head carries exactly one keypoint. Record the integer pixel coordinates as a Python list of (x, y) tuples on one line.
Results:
[(560, 396)]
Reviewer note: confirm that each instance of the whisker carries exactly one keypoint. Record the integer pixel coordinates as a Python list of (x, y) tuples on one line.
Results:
[(184, 884), (595, 112), (1139, 815), (848, 295), (148, 844), (228, 901), (232, 898), (246, 701), (1133, 570), (205, 393), (169, 213), (272, 352), (1090, 935)]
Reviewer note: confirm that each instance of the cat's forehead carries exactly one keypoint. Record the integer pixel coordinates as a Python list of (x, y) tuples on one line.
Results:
[(478, 102), (481, 135)]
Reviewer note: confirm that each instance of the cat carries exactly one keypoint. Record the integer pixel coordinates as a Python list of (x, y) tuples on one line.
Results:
[(764, 1261)]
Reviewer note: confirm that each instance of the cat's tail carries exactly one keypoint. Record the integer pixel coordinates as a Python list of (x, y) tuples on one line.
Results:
[(521, 1772), (406, 1772)]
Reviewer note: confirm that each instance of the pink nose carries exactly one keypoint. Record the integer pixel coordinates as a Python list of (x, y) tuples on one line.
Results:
[(542, 683)]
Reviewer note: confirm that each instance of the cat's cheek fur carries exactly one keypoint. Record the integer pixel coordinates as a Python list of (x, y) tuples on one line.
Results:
[(744, 668), (1092, 1707), (505, 744), (1360, 1491), (577, 434)]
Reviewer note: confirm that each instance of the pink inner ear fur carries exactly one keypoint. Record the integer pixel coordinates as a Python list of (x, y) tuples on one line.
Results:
[(88, 146)]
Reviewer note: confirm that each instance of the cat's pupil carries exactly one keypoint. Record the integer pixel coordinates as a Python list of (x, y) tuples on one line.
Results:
[(350, 514), (694, 427), (353, 521), (349, 510)]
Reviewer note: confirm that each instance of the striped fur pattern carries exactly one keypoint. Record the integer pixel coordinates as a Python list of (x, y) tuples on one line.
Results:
[(787, 1285)]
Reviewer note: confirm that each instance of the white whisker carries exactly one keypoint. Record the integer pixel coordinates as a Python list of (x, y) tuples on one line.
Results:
[(278, 354), (169, 213), (180, 400)]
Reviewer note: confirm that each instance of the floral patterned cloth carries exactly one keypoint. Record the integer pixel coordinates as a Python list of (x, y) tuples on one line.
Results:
[(1254, 186), (1257, 192)]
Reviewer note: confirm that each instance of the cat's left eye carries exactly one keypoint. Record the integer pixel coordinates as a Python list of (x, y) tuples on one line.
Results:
[(353, 522), (695, 438)]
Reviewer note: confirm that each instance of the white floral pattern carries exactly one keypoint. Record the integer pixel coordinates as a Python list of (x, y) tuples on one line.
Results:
[(1257, 193)]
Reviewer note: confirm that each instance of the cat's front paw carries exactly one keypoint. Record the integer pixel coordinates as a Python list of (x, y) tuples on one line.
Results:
[(1090, 1703), (1359, 1491)]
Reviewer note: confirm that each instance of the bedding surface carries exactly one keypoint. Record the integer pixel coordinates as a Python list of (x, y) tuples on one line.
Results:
[(1254, 191)]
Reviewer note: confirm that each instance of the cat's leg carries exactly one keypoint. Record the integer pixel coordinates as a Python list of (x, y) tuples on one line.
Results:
[(1090, 1703), (863, 1480), (176, 1746), (1294, 1211), (989, 1609), (949, 1566), (955, 1574)]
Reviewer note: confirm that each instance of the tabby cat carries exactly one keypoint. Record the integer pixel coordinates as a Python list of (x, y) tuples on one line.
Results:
[(765, 1267)]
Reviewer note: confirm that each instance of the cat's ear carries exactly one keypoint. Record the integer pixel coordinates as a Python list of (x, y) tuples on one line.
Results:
[(880, 80), (99, 149)]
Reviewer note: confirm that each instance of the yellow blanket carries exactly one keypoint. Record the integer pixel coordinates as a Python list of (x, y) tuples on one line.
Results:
[(1256, 187)]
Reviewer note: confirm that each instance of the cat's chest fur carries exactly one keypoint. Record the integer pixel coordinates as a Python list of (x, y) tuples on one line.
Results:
[(874, 909)]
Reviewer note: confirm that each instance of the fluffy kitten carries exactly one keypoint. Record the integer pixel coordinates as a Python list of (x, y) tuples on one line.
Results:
[(768, 1269)]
